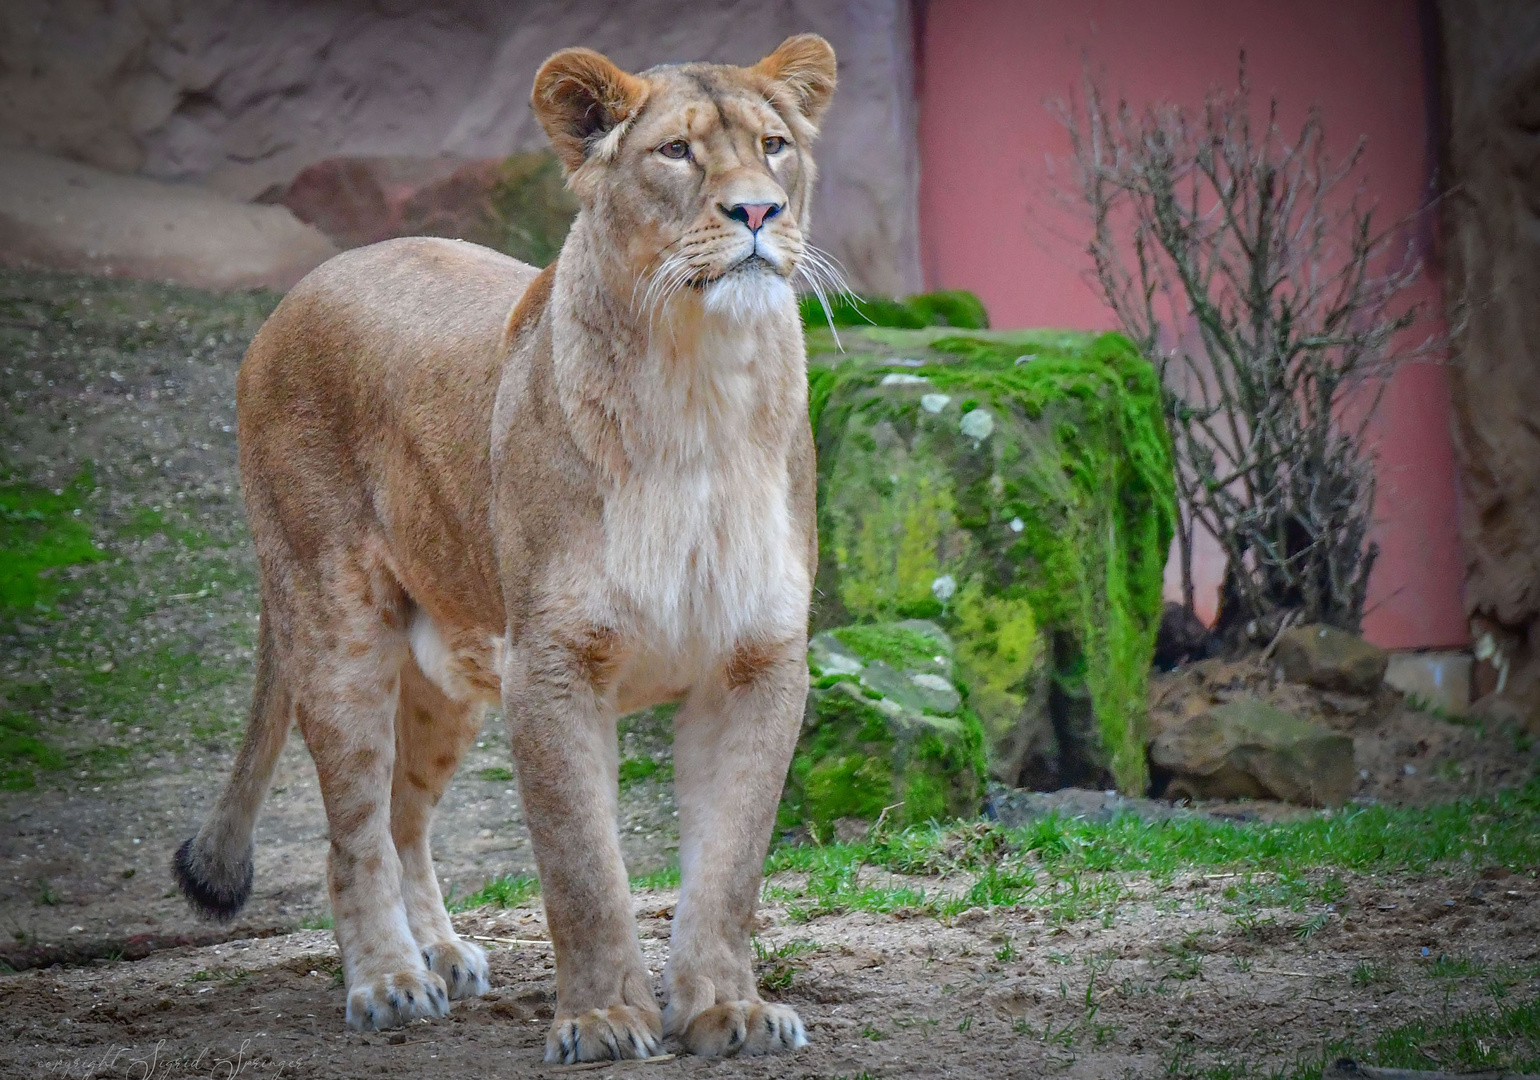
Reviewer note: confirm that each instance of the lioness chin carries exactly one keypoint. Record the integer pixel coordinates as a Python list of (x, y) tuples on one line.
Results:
[(589, 489)]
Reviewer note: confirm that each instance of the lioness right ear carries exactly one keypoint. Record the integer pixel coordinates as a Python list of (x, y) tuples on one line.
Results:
[(579, 97)]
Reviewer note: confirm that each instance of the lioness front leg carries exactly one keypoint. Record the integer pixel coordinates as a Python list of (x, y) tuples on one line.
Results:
[(733, 741), (565, 748)]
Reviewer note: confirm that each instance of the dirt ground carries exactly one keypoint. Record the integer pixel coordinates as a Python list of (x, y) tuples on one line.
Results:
[(1170, 986), (138, 678)]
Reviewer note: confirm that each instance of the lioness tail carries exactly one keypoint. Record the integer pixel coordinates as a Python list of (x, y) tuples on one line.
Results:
[(214, 868)]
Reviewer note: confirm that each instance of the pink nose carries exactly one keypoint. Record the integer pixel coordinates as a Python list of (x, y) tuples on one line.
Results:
[(753, 214)]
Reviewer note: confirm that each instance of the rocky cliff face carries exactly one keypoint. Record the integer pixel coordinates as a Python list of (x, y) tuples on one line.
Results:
[(242, 95), (1492, 224)]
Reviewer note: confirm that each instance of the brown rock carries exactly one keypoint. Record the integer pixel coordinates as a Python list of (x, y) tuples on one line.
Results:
[(519, 204), (1491, 221), (1331, 659), (1248, 749)]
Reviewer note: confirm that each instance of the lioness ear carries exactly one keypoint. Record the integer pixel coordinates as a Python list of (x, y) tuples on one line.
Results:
[(804, 65), (579, 97)]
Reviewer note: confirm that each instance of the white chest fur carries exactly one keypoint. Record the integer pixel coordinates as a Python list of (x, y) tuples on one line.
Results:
[(699, 550)]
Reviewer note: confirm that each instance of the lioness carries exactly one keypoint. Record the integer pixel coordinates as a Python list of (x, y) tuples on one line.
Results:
[(590, 488)]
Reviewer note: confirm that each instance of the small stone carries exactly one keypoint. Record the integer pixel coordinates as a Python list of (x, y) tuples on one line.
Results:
[(1017, 524), (899, 378), (972, 917), (978, 425), (934, 403)]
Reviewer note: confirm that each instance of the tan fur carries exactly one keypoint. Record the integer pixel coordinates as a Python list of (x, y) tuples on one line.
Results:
[(587, 490)]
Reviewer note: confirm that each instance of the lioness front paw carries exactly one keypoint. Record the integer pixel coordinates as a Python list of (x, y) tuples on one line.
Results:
[(391, 1000), (620, 1031), (462, 966), (747, 1028)]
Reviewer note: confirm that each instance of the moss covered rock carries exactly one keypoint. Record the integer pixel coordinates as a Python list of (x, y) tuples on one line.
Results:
[(1017, 488), (887, 727)]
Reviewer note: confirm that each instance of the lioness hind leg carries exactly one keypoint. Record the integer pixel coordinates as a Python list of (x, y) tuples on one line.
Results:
[(432, 734), (348, 651), (733, 742)]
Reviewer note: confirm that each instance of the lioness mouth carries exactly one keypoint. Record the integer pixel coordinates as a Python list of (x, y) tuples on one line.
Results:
[(749, 264)]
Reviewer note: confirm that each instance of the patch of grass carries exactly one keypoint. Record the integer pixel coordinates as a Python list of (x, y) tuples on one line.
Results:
[(498, 773), (41, 532), (1367, 974), (23, 752), (1312, 926), (775, 968), (317, 922), (1504, 1037), (636, 769), (1501, 830), (1455, 967), (510, 890), (667, 878)]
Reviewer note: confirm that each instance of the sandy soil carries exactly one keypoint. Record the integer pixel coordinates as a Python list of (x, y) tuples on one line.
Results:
[(1171, 986)]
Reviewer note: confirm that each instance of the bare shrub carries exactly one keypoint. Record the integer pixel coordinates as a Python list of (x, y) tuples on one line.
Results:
[(1247, 268)]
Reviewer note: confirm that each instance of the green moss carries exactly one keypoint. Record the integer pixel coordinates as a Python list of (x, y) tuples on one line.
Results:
[(1034, 470), (530, 208), (998, 645), (893, 564), (896, 645), (41, 531), (954, 308)]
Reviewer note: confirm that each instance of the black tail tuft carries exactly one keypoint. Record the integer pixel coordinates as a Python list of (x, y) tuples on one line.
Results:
[(213, 899)]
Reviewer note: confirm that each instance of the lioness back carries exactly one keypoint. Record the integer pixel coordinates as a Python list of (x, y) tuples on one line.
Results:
[(368, 394)]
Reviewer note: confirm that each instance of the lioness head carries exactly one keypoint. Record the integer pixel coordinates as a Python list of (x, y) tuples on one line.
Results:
[(694, 178)]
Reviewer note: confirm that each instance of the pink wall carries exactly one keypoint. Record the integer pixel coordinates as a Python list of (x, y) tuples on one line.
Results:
[(992, 161)]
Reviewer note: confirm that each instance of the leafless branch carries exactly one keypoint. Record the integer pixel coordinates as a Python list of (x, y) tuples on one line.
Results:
[(1248, 269)]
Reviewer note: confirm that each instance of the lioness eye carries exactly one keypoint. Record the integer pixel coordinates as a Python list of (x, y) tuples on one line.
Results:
[(677, 149), (774, 144)]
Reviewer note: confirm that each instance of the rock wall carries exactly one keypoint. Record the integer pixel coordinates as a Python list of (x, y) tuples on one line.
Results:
[(1492, 229), (241, 95)]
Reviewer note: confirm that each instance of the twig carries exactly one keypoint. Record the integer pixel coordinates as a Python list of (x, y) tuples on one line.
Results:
[(1288, 620), (510, 940), (589, 1065), (877, 825)]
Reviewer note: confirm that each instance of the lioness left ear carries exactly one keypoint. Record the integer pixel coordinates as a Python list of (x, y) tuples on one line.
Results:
[(804, 65), (580, 96)]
